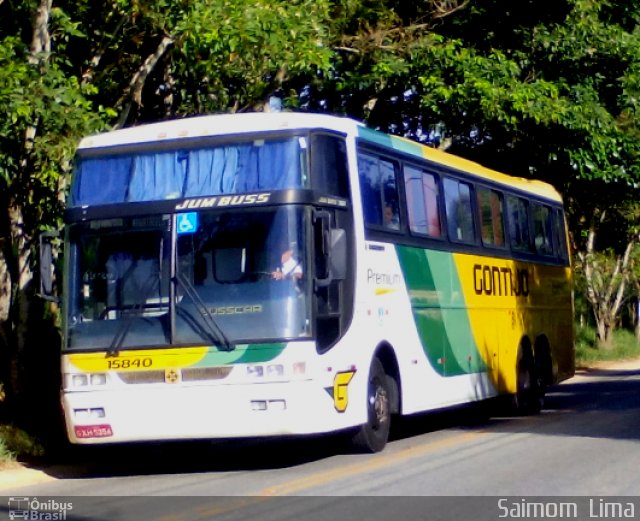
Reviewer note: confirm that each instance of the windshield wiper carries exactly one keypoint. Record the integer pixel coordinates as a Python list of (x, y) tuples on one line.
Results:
[(136, 311), (212, 328)]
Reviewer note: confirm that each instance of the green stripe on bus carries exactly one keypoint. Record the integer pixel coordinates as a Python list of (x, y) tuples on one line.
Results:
[(439, 311), (242, 354), (389, 141)]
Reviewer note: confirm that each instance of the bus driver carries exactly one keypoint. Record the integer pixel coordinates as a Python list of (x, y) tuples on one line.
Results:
[(290, 267)]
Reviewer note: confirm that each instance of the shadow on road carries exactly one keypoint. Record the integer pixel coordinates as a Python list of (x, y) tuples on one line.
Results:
[(602, 403), (185, 457), (598, 389), (598, 403)]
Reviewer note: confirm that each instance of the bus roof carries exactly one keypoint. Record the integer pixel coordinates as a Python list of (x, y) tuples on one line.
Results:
[(217, 125), (236, 124)]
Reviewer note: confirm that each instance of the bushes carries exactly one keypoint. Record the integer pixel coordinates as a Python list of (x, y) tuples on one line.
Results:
[(16, 443), (623, 346)]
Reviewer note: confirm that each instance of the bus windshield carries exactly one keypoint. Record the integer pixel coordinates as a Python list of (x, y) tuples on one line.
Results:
[(134, 282)]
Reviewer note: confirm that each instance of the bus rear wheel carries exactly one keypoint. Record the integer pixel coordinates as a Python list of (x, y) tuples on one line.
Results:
[(374, 434), (529, 391)]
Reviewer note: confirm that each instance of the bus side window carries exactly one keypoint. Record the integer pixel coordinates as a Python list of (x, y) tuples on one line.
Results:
[(459, 215), (490, 207), (329, 165), (559, 235), (542, 229), (379, 191), (517, 209), (421, 189)]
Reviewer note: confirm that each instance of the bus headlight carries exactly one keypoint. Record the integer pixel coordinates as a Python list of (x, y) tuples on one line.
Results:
[(79, 380), (255, 371), (276, 371), (98, 379), (85, 380)]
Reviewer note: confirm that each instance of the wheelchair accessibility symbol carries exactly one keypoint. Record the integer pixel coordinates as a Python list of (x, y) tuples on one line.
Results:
[(187, 223)]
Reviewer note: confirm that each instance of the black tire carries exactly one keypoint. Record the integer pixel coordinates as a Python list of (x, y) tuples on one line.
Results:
[(529, 395), (373, 435)]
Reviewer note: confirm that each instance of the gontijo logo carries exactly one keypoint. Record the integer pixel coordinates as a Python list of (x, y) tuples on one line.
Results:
[(38, 510), (500, 281)]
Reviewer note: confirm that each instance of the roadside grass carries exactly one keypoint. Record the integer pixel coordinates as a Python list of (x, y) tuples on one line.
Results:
[(624, 346), (17, 444)]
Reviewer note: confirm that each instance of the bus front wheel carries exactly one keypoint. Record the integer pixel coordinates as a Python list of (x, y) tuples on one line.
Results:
[(373, 435)]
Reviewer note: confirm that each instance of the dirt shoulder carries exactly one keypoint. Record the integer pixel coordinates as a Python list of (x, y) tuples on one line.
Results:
[(612, 365)]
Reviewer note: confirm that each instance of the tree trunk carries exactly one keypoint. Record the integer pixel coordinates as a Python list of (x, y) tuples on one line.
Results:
[(601, 331), (133, 93), (5, 287), (18, 266), (22, 278), (637, 319), (605, 290), (6, 351), (41, 39)]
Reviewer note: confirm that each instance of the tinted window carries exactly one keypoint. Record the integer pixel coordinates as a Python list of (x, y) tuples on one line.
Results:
[(559, 235), (518, 223), (329, 165), (490, 207), (459, 215), (542, 229), (422, 202), (379, 191)]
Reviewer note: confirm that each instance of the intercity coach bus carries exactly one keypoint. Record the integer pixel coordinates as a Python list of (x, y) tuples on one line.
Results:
[(280, 274)]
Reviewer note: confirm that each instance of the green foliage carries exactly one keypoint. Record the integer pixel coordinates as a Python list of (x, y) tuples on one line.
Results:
[(16, 443), (6, 455), (544, 88), (46, 98), (548, 89), (225, 55), (624, 347), (251, 50)]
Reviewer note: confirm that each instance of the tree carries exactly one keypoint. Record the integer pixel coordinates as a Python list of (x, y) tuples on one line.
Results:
[(635, 299), (70, 69), (152, 60), (43, 114), (541, 89), (606, 280), (545, 89)]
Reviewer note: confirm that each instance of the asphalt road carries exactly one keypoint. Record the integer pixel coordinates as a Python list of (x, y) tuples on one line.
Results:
[(584, 447)]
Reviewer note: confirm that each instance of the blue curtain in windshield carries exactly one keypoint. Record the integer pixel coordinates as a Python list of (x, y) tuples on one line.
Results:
[(270, 165), (275, 166), (213, 171), (100, 181), (157, 176)]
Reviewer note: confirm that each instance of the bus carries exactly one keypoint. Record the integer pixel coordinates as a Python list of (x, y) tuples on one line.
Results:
[(261, 275)]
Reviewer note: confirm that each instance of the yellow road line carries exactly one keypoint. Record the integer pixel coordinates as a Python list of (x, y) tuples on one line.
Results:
[(384, 459), (206, 512)]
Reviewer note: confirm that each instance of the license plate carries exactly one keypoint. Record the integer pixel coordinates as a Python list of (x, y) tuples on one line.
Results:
[(93, 431)]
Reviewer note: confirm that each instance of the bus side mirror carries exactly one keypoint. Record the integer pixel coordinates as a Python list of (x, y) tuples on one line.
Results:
[(47, 266)]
